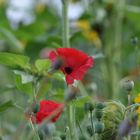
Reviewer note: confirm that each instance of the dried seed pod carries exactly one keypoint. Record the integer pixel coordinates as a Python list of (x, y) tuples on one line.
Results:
[(128, 85)]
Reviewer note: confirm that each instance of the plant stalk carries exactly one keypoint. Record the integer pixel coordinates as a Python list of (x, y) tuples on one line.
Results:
[(71, 122), (65, 23)]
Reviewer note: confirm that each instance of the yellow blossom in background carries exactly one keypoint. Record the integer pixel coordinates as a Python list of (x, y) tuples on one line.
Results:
[(40, 8), (138, 110), (137, 99), (2, 2), (83, 25), (93, 36), (89, 33), (24, 43)]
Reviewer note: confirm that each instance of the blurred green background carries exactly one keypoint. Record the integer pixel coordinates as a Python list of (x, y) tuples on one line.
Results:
[(109, 30)]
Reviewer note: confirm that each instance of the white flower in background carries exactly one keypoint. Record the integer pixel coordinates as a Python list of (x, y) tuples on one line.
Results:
[(100, 14), (20, 12), (75, 10)]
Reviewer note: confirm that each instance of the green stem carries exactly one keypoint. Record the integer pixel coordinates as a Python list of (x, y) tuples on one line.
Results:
[(34, 130), (19, 107), (92, 125), (80, 128), (137, 58), (129, 137), (137, 136), (120, 6), (71, 122), (82, 89), (91, 119), (129, 99), (65, 23)]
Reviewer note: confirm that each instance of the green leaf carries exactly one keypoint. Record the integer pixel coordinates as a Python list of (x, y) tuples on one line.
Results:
[(14, 60), (6, 105), (42, 64), (25, 77), (11, 39), (58, 75), (24, 87)]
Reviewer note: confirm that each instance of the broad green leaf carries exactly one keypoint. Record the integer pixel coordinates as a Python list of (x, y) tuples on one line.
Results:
[(58, 75), (14, 60), (26, 87), (6, 105), (11, 39), (25, 77), (42, 64)]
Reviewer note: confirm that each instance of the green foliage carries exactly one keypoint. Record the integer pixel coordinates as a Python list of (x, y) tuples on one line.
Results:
[(5, 106), (23, 85), (12, 40), (14, 60), (42, 64), (115, 23)]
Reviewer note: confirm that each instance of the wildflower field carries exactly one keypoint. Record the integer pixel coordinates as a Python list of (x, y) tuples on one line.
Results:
[(69, 70)]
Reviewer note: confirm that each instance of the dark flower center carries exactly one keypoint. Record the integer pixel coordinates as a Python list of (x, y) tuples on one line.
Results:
[(68, 70)]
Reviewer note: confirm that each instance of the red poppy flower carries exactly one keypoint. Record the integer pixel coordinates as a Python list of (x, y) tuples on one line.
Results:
[(75, 63), (48, 109)]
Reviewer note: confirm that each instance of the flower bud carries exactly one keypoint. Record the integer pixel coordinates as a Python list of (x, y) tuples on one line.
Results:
[(90, 130), (134, 40), (98, 113), (100, 105), (63, 136), (36, 108), (128, 85), (99, 127), (88, 107)]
